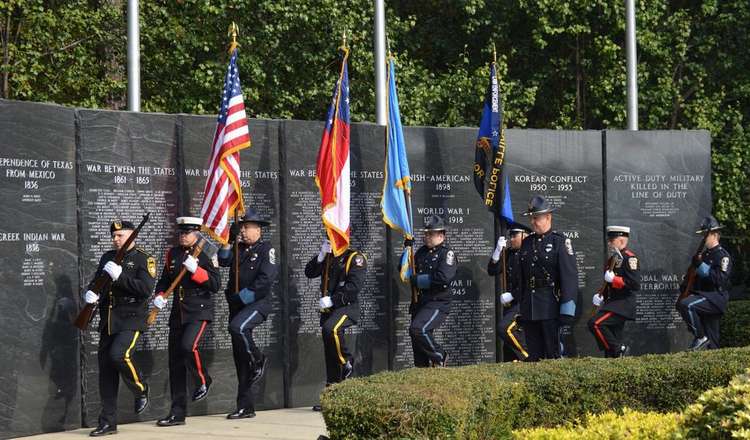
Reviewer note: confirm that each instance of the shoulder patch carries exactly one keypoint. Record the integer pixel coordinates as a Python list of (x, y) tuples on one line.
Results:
[(359, 260), (725, 264), (633, 263), (569, 246), (272, 256), (450, 258), (215, 261), (151, 266)]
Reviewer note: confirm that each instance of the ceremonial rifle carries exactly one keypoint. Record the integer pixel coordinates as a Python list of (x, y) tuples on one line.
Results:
[(102, 283), (690, 274), (603, 290)]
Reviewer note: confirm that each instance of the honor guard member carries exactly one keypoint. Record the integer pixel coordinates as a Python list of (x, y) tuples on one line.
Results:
[(192, 311), (549, 283), (508, 328), (435, 265), (251, 305), (703, 308), (616, 303), (122, 312), (341, 280)]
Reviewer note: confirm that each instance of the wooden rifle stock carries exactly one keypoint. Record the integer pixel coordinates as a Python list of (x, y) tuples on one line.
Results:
[(690, 274), (102, 283), (603, 290), (155, 311)]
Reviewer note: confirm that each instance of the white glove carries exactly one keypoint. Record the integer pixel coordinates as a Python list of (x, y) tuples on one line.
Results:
[(325, 302), (502, 242), (609, 276), (159, 302), (113, 269), (325, 248), (597, 300), (191, 264), (91, 297), (506, 298)]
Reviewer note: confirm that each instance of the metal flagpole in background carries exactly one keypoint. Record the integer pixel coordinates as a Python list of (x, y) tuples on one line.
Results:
[(134, 58), (380, 93), (632, 69)]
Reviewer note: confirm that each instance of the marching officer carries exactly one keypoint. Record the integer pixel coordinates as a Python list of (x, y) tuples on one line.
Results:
[(122, 313), (192, 311), (435, 265), (616, 302), (706, 303), (251, 305), (549, 283), (508, 328), (342, 277)]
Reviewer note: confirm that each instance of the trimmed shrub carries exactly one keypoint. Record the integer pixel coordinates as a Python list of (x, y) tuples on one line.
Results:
[(722, 412), (491, 400), (735, 325), (632, 425)]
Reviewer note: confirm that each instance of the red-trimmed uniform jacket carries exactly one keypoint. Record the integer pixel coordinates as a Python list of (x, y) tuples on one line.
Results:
[(620, 293), (193, 297)]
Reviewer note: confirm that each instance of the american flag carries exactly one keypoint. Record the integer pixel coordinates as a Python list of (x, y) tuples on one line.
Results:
[(223, 192)]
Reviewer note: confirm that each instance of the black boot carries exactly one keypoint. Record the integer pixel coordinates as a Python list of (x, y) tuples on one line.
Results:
[(141, 401), (201, 392), (171, 420), (105, 429), (241, 413), (346, 370), (259, 369)]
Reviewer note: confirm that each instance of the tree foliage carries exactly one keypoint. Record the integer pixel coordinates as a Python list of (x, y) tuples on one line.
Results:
[(561, 63)]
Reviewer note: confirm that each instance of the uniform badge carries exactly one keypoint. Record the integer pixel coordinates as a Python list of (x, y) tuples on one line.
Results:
[(569, 246), (151, 266), (359, 260), (548, 248), (272, 256), (450, 258), (254, 257), (725, 264), (117, 225), (130, 264), (633, 263), (215, 261)]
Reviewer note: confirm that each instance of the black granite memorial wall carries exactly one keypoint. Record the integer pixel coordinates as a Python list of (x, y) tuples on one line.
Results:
[(67, 173), (658, 183)]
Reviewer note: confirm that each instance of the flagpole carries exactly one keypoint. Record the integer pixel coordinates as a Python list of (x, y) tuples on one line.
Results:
[(233, 32)]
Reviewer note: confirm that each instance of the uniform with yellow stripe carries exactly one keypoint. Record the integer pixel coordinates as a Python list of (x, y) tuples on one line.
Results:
[(345, 278), (123, 310), (508, 328)]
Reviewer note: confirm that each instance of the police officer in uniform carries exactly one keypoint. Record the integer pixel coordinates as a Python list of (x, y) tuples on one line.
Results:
[(435, 265), (703, 308), (122, 311), (249, 307), (192, 311), (549, 283), (508, 328), (616, 303), (342, 277)]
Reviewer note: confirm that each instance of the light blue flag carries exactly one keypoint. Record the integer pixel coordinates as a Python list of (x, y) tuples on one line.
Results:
[(396, 201)]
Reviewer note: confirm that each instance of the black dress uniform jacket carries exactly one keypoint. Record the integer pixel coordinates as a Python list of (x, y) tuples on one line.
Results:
[(548, 275), (346, 277), (512, 273), (258, 270), (715, 287), (440, 264), (193, 301), (620, 296), (125, 305)]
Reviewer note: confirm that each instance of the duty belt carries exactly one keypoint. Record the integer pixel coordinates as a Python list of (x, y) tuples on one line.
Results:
[(121, 300), (189, 292), (540, 283)]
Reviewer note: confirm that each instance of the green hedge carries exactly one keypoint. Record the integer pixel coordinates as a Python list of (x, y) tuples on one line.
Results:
[(735, 325), (722, 412), (629, 424), (492, 400)]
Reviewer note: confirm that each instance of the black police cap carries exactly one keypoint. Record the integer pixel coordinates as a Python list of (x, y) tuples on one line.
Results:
[(709, 224), (120, 225), (538, 205), (252, 216), (434, 223), (516, 228)]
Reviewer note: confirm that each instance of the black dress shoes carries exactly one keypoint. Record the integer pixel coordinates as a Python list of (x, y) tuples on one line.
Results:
[(346, 370), (103, 430), (141, 402), (241, 413), (171, 420), (317, 408), (258, 370), (201, 392)]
